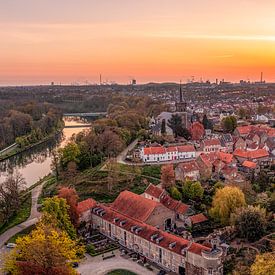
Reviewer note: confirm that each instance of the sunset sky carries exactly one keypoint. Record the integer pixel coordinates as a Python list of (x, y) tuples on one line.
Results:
[(151, 40)]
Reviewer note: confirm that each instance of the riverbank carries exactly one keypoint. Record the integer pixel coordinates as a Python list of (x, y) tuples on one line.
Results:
[(18, 150)]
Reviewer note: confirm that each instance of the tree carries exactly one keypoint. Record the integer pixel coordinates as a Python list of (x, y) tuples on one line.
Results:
[(250, 222), (207, 124), (175, 193), (229, 124), (71, 197), (163, 127), (264, 264), (69, 153), (192, 190), (175, 123), (167, 176), (46, 250), (55, 210), (10, 195), (197, 131), (226, 200)]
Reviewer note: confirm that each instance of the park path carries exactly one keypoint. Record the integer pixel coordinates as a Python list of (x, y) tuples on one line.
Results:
[(121, 157), (33, 218)]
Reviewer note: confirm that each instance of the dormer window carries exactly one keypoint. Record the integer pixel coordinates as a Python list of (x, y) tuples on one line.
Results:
[(122, 223), (159, 239), (116, 220), (172, 245), (138, 230), (133, 228), (153, 237), (102, 213)]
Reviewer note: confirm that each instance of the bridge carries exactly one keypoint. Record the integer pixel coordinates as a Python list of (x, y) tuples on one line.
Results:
[(98, 114)]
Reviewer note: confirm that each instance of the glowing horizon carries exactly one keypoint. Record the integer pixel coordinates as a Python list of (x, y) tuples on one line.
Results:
[(155, 40)]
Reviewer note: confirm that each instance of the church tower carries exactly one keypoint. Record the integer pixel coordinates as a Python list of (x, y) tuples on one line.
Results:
[(181, 104)]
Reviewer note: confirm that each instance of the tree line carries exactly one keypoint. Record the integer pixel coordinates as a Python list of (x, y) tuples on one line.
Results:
[(27, 123)]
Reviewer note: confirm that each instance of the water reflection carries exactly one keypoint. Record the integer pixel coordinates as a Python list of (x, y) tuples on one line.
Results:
[(35, 163)]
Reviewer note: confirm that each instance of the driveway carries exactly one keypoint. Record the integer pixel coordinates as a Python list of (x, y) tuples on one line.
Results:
[(96, 266)]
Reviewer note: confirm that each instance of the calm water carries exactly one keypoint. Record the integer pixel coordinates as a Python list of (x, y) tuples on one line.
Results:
[(35, 163)]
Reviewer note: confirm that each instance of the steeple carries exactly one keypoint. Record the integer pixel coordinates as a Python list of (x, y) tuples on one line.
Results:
[(181, 97)]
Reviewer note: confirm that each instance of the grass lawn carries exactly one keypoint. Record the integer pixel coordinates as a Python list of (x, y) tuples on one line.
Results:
[(121, 272), (22, 214)]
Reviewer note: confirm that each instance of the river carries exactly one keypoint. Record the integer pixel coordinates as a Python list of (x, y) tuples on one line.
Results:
[(35, 163)]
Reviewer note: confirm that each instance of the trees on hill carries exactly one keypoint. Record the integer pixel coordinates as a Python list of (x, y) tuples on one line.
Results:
[(226, 200)]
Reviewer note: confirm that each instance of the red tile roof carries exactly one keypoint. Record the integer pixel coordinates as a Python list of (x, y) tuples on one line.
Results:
[(244, 130), (198, 218), (154, 191), (249, 164), (133, 205), (225, 157), (189, 166), (212, 142), (147, 231), (83, 206), (174, 205), (186, 148), (260, 153)]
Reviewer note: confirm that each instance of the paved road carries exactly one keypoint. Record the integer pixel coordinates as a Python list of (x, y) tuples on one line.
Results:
[(121, 157), (96, 266), (33, 218)]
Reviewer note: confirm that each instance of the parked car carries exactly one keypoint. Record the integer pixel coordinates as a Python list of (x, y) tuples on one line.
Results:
[(11, 245)]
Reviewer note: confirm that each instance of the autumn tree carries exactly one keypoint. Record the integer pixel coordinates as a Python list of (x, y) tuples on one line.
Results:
[(10, 191), (197, 131), (250, 222), (56, 210), (46, 250), (226, 200), (167, 176), (192, 190), (71, 197), (264, 264), (229, 124)]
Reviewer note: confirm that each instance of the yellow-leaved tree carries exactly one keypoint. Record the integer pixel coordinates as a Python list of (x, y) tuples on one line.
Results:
[(226, 200), (264, 264), (46, 250)]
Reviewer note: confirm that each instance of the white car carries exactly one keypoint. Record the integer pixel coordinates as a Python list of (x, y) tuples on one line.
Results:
[(11, 245)]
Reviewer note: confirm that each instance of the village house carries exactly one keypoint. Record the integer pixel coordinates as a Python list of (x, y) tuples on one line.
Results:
[(227, 143), (211, 145), (240, 143), (187, 170), (260, 156), (196, 220), (164, 154)]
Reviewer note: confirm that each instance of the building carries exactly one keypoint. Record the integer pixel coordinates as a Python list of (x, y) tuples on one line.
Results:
[(128, 225), (211, 145), (164, 154), (187, 170), (260, 156), (83, 209)]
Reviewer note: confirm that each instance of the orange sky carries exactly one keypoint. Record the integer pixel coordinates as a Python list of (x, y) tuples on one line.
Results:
[(151, 40)]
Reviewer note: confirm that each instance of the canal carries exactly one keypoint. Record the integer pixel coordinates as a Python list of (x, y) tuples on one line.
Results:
[(35, 163)]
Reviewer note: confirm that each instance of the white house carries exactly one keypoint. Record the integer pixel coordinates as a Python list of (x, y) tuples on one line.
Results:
[(163, 154)]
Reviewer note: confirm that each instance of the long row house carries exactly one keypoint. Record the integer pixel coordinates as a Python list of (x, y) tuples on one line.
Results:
[(140, 223)]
